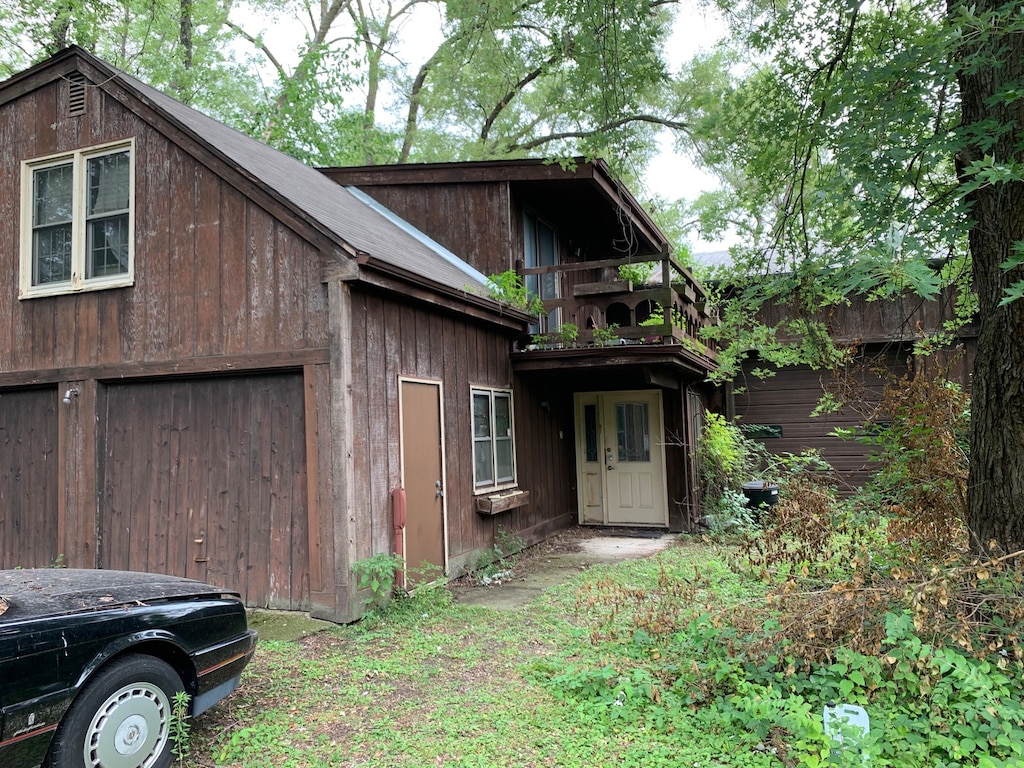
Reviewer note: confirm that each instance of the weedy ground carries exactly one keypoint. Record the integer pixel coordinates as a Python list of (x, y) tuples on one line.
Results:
[(434, 683), (687, 658)]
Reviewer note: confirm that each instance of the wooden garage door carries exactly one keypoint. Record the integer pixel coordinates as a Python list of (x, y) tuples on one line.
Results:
[(28, 477), (206, 478)]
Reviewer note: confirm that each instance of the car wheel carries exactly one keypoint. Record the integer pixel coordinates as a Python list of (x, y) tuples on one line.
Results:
[(121, 718)]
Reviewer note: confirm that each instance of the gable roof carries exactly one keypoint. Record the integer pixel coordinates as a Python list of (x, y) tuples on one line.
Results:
[(376, 236), (576, 190)]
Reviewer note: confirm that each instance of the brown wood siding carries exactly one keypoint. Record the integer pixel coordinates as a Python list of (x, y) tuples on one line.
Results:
[(863, 321), (390, 340), (215, 273), (788, 398), (470, 220), (206, 478), (28, 478)]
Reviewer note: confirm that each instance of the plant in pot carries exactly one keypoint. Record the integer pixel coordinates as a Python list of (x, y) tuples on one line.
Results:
[(604, 337), (568, 333)]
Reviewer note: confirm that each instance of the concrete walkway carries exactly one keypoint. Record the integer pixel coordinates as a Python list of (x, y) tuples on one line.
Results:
[(540, 567), (546, 570)]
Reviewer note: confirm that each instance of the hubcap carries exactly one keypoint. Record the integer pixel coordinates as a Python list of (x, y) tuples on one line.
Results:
[(130, 729)]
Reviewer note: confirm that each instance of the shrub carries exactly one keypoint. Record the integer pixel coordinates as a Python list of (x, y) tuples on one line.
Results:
[(377, 573), (922, 458), (509, 288), (722, 456)]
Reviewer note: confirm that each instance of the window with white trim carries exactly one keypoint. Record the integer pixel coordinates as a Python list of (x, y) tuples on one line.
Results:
[(494, 464), (77, 220)]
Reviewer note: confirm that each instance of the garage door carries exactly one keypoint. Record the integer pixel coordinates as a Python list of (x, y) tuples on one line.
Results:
[(28, 478), (206, 478)]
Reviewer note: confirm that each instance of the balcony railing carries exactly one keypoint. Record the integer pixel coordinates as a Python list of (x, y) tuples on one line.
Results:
[(609, 310)]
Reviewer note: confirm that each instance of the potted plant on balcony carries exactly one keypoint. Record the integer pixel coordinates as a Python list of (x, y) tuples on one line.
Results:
[(662, 316), (567, 334), (604, 337)]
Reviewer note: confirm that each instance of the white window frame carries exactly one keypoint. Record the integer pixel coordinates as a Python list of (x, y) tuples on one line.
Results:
[(78, 282), (495, 483)]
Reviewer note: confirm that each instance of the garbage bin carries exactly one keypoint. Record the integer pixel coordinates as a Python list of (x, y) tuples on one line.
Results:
[(761, 495)]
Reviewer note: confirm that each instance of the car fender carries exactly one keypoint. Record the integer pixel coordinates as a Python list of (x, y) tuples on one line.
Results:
[(155, 642)]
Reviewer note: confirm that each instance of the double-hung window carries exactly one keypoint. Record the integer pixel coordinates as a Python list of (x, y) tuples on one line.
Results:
[(77, 218), (494, 464)]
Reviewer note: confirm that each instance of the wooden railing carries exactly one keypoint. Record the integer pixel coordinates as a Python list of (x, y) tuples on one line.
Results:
[(594, 298)]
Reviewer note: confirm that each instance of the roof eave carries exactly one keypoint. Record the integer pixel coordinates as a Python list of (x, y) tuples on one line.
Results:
[(379, 273)]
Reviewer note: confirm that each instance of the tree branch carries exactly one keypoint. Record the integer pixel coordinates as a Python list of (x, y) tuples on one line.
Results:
[(608, 126)]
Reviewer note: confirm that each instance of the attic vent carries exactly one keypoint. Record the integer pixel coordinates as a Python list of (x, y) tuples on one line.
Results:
[(76, 94)]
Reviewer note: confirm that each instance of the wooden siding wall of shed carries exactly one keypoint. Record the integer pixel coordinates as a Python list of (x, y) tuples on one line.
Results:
[(788, 398), (390, 340), (470, 220)]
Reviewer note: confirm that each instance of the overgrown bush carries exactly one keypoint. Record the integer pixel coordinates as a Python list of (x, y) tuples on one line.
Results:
[(936, 695), (921, 454), (874, 601), (726, 460)]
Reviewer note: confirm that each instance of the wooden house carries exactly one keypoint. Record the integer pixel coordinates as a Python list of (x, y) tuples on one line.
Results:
[(218, 362), (624, 389)]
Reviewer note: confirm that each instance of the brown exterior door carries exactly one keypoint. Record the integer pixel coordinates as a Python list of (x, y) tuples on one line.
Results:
[(423, 480)]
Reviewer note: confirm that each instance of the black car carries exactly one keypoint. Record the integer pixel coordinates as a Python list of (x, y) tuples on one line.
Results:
[(91, 660)]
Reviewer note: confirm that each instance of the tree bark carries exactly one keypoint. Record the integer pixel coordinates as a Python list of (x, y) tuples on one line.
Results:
[(992, 62)]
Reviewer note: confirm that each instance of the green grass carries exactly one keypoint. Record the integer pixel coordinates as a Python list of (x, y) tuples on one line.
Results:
[(637, 664), (433, 683)]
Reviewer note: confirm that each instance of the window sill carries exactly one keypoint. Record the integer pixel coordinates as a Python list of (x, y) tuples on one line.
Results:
[(496, 503), (69, 289)]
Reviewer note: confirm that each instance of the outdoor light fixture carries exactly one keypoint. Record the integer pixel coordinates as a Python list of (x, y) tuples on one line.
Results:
[(71, 394)]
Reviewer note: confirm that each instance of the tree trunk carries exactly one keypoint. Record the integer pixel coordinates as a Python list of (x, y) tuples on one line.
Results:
[(993, 62)]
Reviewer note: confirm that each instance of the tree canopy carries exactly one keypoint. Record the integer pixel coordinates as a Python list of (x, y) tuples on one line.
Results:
[(506, 78), (876, 149)]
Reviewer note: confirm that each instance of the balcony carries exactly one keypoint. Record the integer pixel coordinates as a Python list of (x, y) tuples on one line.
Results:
[(607, 311)]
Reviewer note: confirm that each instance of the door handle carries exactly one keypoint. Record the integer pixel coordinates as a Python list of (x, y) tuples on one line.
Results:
[(439, 493)]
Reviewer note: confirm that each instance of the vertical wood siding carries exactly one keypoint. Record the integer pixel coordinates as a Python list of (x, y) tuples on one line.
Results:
[(392, 340), (206, 478), (28, 478), (215, 274), (200, 477), (469, 220)]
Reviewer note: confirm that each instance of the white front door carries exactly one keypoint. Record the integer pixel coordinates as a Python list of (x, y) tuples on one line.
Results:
[(621, 458)]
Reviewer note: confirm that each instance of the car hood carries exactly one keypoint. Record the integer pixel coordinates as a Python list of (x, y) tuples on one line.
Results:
[(37, 592)]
